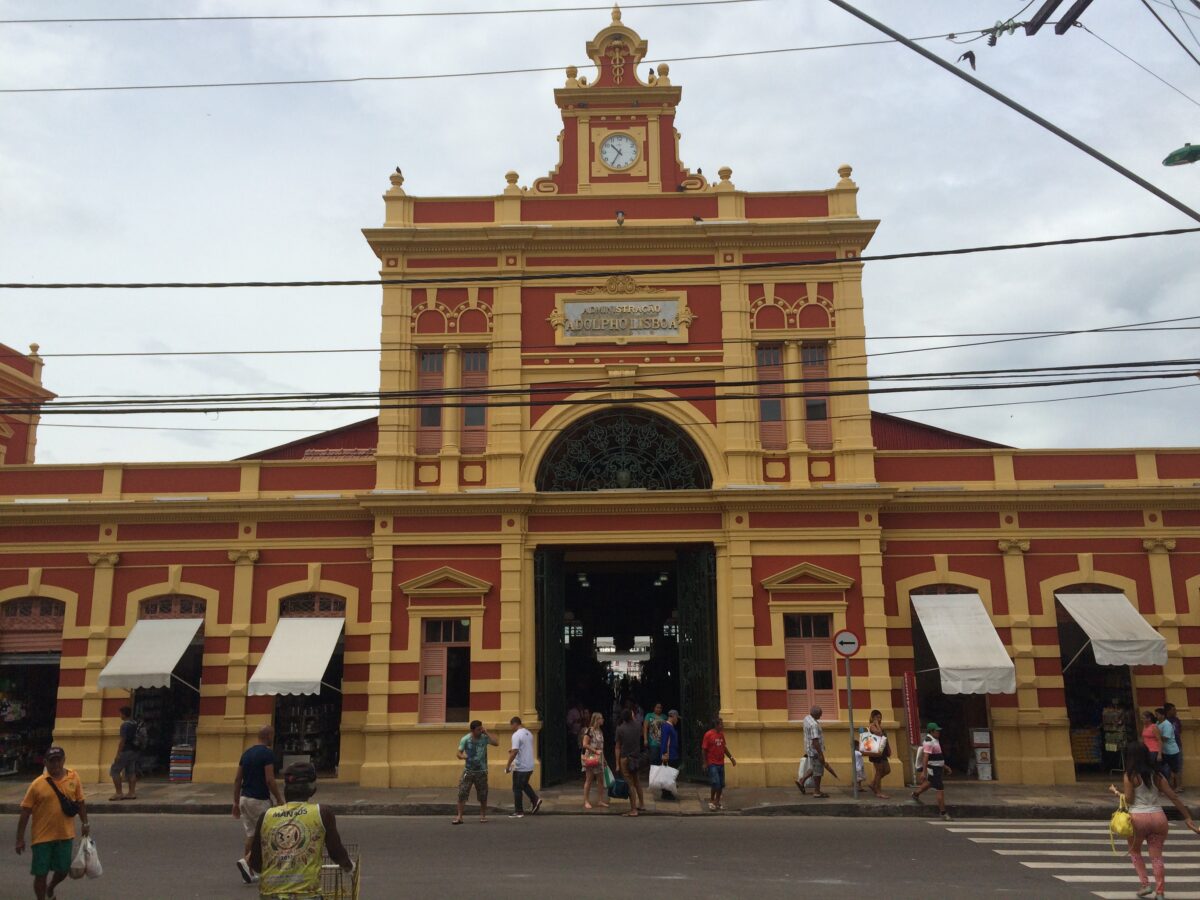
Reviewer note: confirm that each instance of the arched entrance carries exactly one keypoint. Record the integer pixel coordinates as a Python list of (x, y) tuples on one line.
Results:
[(30, 650), (623, 448)]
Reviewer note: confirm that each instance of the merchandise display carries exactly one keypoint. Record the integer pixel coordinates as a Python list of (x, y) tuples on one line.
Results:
[(28, 697)]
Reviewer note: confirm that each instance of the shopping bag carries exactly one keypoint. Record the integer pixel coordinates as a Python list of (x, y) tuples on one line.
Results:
[(805, 768), (872, 744), (619, 789), (662, 778), (79, 863), (609, 778), (92, 867)]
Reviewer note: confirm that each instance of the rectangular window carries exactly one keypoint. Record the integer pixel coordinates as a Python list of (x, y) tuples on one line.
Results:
[(814, 369), (430, 378), (474, 420), (809, 662), (772, 431), (445, 677)]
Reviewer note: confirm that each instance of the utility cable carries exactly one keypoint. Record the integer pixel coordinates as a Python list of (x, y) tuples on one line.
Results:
[(599, 273), (1175, 6), (1027, 113), (440, 75), (400, 15), (1177, 38), (1139, 65)]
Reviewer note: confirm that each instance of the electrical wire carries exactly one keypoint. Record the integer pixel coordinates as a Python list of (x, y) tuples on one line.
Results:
[(542, 430), (1169, 31), (1139, 65), (1182, 12), (1175, 6), (441, 75), (400, 15), (596, 273)]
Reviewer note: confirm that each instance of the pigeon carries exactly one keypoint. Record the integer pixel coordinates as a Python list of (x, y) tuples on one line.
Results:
[(398, 172), (969, 56), (697, 219)]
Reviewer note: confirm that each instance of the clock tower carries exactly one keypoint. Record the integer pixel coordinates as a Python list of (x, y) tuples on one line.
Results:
[(618, 130)]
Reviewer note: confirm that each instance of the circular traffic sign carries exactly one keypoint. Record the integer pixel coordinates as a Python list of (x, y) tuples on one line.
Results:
[(846, 643)]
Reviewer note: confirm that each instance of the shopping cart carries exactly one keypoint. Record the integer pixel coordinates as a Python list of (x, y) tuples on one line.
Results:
[(336, 884)]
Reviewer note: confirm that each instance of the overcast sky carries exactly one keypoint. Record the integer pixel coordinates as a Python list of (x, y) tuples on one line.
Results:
[(275, 183)]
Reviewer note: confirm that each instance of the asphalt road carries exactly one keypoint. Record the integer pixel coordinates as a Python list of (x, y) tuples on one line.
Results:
[(169, 857)]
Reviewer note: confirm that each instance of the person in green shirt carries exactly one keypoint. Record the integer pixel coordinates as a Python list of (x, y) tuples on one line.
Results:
[(652, 731), (472, 750)]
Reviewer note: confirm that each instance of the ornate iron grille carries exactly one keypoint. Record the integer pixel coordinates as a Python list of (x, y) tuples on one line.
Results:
[(623, 448), (173, 606), (32, 614), (312, 606)]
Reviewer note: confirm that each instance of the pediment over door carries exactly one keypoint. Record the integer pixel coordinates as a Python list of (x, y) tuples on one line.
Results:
[(446, 583)]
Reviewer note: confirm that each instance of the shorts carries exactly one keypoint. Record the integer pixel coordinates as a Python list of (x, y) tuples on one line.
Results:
[(716, 777), (125, 764), (479, 780), (51, 856), (1173, 762), (816, 768), (933, 774), (251, 808)]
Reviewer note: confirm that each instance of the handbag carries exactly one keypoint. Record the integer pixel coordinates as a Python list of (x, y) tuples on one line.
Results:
[(69, 807), (591, 759), (1121, 824), (872, 744)]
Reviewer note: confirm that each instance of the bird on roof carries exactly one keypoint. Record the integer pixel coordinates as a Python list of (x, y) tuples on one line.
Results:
[(697, 219)]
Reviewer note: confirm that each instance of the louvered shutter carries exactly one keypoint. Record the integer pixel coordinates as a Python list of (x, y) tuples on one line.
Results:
[(771, 429), (820, 660), (474, 375), (430, 377), (817, 432), (799, 702), (432, 706)]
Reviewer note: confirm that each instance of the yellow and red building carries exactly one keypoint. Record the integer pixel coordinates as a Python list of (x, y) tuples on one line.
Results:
[(622, 379)]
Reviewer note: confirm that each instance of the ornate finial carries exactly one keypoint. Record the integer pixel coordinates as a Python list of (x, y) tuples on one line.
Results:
[(725, 173), (511, 177), (616, 13), (34, 348), (572, 72), (397, 178), (845, 171)]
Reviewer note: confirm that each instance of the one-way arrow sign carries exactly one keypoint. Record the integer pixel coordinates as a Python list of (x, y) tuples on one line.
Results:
[(846, 643)]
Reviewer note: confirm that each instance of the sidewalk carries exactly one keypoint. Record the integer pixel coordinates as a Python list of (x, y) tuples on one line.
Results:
[(965, 799)]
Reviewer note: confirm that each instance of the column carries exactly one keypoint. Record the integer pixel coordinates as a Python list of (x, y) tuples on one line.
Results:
[(452, 417), (376, 770), (1157, 551), (737, 418), (86, 746), (397, 372), (505, 440), (793, 407)]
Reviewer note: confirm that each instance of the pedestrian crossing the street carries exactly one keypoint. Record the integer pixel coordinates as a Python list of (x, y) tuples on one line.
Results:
[(1078, 853)]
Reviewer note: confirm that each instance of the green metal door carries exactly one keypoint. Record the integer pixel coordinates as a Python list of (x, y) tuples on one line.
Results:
[(551, 663), (698, 688)]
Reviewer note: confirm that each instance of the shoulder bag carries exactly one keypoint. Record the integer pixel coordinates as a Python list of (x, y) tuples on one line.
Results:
[(69, 807)]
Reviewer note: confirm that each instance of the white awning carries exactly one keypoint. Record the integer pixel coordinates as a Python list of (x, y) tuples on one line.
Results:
[(971, 659), (1119, 634), (296, 658), (150, 654)]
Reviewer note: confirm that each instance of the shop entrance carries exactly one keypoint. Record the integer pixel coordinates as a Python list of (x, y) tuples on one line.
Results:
[(308, 726), (635, 624), (171, 713), (956, 713), (30, 652), (1100, 707)]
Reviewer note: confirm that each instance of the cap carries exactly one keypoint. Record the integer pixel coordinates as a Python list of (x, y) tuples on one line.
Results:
[(55, 750), (933, 726), (673, 712), (300, 773)]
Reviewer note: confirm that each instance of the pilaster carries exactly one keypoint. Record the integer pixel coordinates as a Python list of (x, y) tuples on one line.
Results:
[(376, 769), (793, 415), (1158, 556)]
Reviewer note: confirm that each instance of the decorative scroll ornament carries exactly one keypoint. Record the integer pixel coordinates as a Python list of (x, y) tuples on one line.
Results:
[(620, 284), (623, 448)]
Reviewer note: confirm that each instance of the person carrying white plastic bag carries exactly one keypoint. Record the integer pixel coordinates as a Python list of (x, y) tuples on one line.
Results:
[(87, 860), (663, 778)]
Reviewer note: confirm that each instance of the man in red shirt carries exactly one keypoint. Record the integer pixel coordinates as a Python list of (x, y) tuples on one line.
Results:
[(715, 750)]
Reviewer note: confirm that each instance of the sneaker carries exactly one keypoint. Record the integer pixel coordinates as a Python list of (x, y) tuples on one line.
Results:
[(946, 817), (916, 798), (537, 804), (516, 815), (244, 869), (712, 807), (1146, 891)]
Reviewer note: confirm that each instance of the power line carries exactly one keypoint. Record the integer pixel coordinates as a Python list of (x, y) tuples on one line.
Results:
[(1139, 65), (1027, 113), (541, 430), (402, 15), (440, 75), (1182, 12), (596, 273), (1177, 38), (1175, 6)]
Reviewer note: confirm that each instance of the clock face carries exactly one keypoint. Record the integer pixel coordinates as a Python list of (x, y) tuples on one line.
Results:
[(619, 151)]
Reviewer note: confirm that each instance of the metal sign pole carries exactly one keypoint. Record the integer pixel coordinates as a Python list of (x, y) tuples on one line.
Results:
[(853, 736)]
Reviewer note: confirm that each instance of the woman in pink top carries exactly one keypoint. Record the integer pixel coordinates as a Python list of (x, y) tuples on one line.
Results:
[(1151, 736)]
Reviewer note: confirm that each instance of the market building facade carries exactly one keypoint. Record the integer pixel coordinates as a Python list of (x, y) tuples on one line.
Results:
[(623, 422)]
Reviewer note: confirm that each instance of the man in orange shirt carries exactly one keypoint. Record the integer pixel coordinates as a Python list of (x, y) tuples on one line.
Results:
[(47, 802)]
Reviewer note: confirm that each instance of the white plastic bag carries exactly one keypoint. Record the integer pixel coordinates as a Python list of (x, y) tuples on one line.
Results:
[(79, 863), (805, 767), (662, 778), (93, 869)]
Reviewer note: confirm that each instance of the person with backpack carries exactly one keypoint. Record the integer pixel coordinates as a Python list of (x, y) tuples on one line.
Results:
[(52, 802), (133, 740)]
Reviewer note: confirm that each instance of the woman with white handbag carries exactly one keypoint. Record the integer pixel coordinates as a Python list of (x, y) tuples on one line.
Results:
[(879, 758)]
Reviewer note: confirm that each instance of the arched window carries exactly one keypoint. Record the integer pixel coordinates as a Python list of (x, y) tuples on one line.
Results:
[(31, 624), (623, 448), (172, 606), (312, 606), (944, 589)]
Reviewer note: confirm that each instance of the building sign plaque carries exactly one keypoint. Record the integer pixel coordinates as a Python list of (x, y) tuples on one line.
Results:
[(621, 312)]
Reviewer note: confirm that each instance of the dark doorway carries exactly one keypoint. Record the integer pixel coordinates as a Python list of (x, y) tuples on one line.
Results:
[(956, 713), (634, 624)]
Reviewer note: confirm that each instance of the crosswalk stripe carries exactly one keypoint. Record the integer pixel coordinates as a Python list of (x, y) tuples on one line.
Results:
[(1131, 877), (1093, 829), (1015, 840), (1124, 895), (1124, 866), (1120, 851)]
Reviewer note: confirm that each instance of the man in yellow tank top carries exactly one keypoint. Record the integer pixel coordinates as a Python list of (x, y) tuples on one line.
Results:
[(289, 840)]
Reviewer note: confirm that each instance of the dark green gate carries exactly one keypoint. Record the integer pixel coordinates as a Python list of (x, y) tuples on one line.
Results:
[(698, 689), (550, 583)]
